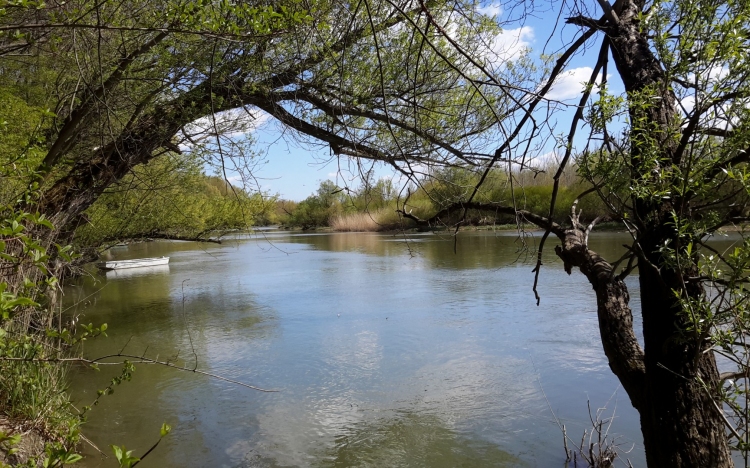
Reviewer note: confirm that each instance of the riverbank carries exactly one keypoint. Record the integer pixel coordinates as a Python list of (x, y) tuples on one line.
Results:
[(19, 444), (38, 424), (365, 222), (361, 225)]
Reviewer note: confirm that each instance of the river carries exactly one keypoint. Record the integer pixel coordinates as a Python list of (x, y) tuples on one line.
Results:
[(386, 351)]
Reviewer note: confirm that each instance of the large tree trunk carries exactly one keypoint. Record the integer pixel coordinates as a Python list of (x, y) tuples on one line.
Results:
[(681, 423), (681, 426)]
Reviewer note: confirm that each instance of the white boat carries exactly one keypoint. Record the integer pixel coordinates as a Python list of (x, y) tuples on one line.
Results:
[(139, 262), (121, 273)]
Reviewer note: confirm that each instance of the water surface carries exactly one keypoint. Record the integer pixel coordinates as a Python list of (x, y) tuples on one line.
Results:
[(386, 351)]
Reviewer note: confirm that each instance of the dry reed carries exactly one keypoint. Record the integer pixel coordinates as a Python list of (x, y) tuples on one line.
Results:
[(356, 222), (384, 219)]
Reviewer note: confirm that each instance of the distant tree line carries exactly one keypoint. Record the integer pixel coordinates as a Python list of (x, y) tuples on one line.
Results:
[(374, 205)]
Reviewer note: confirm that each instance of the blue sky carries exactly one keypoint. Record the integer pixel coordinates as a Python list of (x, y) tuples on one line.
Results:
[(294, 170)]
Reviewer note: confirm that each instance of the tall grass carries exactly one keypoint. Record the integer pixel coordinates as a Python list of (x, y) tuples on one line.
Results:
[(357, 222), (34, 391), (384, 219)]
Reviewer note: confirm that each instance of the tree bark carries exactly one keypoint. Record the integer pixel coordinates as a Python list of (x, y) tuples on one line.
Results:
[(665, 382), (681, 424)]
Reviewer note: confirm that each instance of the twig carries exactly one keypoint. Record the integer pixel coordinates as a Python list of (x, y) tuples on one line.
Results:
[(142, 359)]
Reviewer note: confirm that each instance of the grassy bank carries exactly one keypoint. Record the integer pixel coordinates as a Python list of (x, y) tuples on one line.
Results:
[(38, 425)]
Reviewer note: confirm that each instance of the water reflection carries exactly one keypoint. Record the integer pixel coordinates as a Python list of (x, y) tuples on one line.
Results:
[(470, 249), (411, 440)]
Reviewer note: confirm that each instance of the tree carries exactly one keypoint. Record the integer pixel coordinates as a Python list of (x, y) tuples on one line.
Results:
[(132, 87), (169, 198), (317, 209), (683, 162)]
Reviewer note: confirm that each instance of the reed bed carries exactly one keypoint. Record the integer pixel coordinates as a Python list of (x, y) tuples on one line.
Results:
[(379, 220)]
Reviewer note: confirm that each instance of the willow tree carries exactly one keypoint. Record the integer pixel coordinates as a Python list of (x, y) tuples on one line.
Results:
[(674, 177), (105, 87), (129, 81)]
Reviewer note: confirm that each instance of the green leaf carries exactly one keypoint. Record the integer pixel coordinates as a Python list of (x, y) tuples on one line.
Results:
[(125, 459), (72, 458)]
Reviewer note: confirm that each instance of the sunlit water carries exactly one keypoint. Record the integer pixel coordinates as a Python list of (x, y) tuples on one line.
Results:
[(386, 351)]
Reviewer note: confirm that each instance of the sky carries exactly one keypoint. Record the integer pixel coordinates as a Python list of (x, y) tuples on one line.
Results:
[(294, 171)]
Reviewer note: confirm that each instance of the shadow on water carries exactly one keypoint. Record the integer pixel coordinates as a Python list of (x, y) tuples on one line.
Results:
[(473, 249)]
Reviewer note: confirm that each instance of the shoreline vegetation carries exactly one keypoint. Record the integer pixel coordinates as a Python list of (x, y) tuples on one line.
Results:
[(353, 223), (383, 205), (38, 424)]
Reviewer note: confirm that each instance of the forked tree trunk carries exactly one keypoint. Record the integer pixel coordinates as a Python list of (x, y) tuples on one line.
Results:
[(672, 381), (668, 382)]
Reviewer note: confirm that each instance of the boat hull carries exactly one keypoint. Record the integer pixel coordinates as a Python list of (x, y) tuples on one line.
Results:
[(137, 263)]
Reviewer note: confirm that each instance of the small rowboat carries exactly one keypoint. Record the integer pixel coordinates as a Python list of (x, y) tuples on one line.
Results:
[(140, 262)]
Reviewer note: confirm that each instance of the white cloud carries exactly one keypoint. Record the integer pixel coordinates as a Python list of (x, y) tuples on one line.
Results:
[(492, 10), (231, 123), (570, 84), (721, 116), (508, 45), (688, 103), (707, 78), (511, 43), (547, 159), (716, 74)]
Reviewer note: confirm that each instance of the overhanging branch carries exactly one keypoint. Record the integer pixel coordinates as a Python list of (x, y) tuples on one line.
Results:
[(533, 218)]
